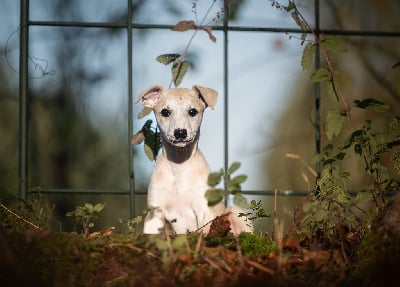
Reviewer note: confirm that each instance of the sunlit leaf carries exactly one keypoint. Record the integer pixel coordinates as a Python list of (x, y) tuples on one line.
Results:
[(308, 56), (167, 58), (334, 44), (335, 120), (144, 112), (138, 138), (321, 75), (179, 70), (149, 152), (331, 91)]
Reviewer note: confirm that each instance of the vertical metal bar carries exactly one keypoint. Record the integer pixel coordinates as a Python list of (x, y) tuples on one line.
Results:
[(130, 113), (226, 92), (317, 89), (23, 100)]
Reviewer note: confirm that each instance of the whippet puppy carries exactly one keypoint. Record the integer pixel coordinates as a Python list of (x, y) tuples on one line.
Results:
[(178, 183)]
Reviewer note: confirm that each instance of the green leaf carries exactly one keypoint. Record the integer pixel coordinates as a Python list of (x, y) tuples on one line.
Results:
[(214, 178), (331, 91), (321, 75), (241, 201), (234, 167), (239, 179), (167, 58), (308, 56), (99, 207), (215, 196), (335, 120), (334, 44), (371, 105), (179, 70)]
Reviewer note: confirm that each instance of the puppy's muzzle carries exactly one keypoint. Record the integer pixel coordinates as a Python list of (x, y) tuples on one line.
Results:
[(180, 134)]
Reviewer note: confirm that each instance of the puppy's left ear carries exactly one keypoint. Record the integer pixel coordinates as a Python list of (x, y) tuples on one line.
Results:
[(208, 96)]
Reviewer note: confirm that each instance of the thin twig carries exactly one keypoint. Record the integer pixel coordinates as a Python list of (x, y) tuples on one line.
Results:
[(18, 216)]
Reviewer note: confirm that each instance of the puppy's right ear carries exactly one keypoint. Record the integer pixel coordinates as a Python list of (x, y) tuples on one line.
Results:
[(150, 96)]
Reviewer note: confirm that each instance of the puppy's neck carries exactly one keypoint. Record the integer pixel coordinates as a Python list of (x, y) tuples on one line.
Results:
[(179, 154)]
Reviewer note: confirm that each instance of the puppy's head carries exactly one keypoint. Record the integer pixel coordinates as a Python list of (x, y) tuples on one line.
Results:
[(179, 111)]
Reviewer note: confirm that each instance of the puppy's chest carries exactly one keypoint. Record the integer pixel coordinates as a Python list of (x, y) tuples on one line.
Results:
[(186, 180)]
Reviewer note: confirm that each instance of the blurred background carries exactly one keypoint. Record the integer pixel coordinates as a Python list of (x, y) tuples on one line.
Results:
[(78, 94)]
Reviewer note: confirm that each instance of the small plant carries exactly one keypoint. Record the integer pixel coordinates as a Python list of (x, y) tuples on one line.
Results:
[(231, 186), (131, 223), (84, 214), (256, 211)]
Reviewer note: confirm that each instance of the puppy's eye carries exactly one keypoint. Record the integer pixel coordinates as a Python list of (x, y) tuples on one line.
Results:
[(193, 112), (165, 113)]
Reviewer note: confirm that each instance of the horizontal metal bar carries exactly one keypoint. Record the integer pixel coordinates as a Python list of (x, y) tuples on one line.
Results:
[(81, 191), (217, 28), (127, 192)]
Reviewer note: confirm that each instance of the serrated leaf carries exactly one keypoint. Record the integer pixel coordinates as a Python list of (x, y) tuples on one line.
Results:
[(321, 75), (167, 58), (144, 112), (233, 167), (308, 56), (371, 105), (138, 138), (215, 196), (334, 123), (179, 70), (149, 152), (241, 201), (334, 44), (184, 25)]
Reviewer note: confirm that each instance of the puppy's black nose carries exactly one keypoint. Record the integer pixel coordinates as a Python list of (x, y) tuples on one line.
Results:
[(180, 134)]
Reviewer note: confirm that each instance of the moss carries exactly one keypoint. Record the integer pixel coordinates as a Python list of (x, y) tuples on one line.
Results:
[(253, 245)]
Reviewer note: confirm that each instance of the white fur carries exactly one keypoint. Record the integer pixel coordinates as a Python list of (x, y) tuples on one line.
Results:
[(179, 181)]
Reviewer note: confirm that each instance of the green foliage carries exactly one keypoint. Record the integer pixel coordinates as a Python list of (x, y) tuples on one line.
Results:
[(232, 186), (331, 205), (84, 214), (151, 138), (31, 213), (131, 223)]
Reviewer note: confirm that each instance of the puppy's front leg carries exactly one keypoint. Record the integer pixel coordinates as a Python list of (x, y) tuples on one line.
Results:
[(154, 221)]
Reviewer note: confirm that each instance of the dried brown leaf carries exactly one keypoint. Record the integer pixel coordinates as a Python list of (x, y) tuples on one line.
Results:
[(184, 25)]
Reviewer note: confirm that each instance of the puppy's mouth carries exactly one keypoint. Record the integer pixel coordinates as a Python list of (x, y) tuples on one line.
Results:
[(180, 142)]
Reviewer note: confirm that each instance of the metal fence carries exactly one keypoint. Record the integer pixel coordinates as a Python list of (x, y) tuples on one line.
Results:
[(25, 23)]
